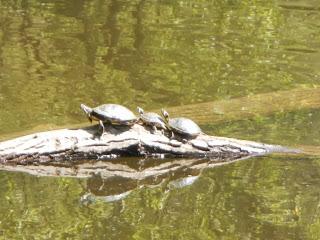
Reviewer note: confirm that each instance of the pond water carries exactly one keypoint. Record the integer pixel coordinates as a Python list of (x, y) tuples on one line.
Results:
[(55, 55)]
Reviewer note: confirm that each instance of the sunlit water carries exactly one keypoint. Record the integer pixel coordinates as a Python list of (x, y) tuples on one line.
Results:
[(55, 55)]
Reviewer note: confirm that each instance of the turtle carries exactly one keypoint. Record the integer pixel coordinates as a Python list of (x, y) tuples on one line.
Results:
[(110, 113), (181, 125), (152, 119)]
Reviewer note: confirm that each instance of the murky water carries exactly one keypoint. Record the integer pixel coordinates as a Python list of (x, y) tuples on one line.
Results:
[(55, 55)]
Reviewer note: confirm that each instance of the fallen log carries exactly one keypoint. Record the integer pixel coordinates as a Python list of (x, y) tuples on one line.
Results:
[(87, 143)]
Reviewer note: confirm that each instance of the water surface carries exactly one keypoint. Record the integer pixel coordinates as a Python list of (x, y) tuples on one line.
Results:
[(55, 55)]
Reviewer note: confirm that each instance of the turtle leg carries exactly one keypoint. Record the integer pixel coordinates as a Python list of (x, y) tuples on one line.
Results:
[(172, 134), (90, 119), (139, 121), (154, 129), (103, 129)]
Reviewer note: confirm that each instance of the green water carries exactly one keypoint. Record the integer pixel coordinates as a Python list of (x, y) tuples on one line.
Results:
[(55, 55)]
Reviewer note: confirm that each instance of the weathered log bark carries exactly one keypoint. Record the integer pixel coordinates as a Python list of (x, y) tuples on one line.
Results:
[(86, 143)]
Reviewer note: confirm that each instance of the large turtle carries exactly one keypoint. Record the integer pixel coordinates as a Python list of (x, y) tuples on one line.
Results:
[(110, 113), (181, 125), (152, 119)]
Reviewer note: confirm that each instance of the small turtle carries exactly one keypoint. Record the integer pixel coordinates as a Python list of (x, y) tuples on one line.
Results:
[(183, 126), (110, 113), (152, 119)]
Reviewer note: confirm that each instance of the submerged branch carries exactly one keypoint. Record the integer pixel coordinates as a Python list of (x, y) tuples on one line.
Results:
[(250, 106)]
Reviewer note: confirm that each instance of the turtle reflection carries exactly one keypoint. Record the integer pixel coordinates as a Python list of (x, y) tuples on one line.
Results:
[(168, 175)]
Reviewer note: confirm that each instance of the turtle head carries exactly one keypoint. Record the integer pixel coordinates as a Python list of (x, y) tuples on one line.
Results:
[(165, 114), (87, 110), (140, 110)]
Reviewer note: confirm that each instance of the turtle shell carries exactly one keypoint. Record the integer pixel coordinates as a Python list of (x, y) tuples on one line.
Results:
[(184, 126), (114, 113), (153, 119)]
